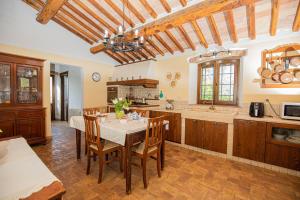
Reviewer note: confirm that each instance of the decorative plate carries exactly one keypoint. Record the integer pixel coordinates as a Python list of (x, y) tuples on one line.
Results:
[(96, 76)]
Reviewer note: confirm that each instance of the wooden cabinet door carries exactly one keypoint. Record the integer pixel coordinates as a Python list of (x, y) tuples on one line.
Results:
[(31, 129), (249, 139), (194, 132), (283, 156), (215, 136), (7, 128)]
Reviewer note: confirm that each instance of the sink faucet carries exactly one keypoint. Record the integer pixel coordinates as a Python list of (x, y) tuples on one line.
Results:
[(212, 106)]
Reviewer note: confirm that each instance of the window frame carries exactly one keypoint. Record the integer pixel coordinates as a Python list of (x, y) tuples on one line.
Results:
[(216, 65)]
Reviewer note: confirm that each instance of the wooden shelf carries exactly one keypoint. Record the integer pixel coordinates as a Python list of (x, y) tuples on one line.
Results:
[(147, 83)]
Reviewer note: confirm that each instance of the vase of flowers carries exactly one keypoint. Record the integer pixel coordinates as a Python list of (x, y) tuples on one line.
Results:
[(121, 105)]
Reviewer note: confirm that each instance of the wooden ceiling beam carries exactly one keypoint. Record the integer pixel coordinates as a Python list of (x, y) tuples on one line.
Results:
[(155, 47), (296, 23), (250, 10), (49, 10), (119, 12), (37, 5), (214, 30), (66, 12), (132, 58), (164, 43), (183, 2), (136, 55), (199, 33), (166, 5), (274, 17), (76, 27), (94, 15), (174, 40), (121, 56), (186, 37), (149, 51), (231, 25), (134, 10), (199, 10), (149, 8), (97, 5), (84, 17), (140, 52), (110, 54)]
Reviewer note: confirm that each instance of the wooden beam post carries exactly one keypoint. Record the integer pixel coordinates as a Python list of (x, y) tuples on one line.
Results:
[(274, 17), (214, 30), (174, 40), (250, 9), (183, 2), (148, 7), (134, 10), (166, 5), (186, 37), (155, 47), (199, 33), (164, 43), (296, 24), (231, 25), (49, 10)]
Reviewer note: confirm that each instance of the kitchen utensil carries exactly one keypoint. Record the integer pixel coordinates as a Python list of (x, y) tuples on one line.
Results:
[(256, 109), (295, 61), (286, 77), (278, 67), (275, 76), (279, 136), (266, 73), (297, 73)]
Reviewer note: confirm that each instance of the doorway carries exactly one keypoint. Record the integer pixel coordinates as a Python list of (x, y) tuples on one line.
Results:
[(64, 85)]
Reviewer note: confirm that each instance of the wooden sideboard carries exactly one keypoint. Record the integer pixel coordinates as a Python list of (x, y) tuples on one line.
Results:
[(21, 111)]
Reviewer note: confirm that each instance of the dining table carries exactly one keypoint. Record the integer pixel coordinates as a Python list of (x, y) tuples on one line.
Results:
[(126, 132)]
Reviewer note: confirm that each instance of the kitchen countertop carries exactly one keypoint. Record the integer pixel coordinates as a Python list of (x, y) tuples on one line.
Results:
[(267, 119)]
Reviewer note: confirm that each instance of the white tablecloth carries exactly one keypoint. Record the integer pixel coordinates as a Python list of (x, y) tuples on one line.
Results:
[(21, 171), (112, 129)]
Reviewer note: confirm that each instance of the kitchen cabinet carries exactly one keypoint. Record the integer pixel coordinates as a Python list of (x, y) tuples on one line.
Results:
[(206, 134), (249, 139), (21, 111), (215, 136), (174, 132), (280, 151), (194, 130)]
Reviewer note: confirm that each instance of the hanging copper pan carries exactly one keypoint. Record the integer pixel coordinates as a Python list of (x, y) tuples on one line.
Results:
[(275, 76)]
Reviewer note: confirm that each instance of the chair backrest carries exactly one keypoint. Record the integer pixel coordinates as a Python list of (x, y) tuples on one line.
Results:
[(154, 132), (92, 130), (142, 113), (94, 110)]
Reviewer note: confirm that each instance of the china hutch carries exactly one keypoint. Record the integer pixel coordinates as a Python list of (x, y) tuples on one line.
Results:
[(21, 110)]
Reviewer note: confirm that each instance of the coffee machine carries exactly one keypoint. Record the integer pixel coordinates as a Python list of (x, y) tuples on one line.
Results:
[(256, 109)]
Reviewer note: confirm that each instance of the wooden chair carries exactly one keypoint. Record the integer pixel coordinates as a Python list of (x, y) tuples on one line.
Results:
[(99, 147), (143, 113), (151, 145), (94, 110)]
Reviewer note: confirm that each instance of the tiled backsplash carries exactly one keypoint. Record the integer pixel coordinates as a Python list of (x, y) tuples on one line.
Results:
[(243, 109), (138, 92)]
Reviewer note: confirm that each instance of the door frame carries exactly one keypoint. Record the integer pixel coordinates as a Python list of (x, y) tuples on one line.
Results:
[(62, 97), (53, 74)]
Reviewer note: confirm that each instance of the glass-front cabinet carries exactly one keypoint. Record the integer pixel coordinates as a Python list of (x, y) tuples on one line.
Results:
[(5, 83), (27, 85)]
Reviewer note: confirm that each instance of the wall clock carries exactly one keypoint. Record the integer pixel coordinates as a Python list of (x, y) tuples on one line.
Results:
[(96, 76)]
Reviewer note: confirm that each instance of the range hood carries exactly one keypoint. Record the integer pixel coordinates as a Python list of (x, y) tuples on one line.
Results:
[(147, 83), (136, 74)]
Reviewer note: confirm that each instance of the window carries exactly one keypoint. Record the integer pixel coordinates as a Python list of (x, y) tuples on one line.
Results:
[(217, 82)]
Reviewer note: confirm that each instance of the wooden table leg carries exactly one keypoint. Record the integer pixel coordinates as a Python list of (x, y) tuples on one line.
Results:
[(78, 143), (128, 166)]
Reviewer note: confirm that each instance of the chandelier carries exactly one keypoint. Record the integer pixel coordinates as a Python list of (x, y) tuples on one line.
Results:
[(119, 43)]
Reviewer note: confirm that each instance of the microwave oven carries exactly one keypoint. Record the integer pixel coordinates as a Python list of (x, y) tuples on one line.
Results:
[(290, 110)]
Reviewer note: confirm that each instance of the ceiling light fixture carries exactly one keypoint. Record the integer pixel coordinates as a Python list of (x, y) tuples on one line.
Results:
[(120, 43)]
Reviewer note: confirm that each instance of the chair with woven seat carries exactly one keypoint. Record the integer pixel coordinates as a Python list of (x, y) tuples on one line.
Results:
[(94, 110), (142, 113), (99, 146), (151, 145)]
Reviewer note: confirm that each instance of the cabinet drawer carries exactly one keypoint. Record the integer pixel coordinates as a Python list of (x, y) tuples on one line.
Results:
[(7, 115), (30, 114), (7, 128)]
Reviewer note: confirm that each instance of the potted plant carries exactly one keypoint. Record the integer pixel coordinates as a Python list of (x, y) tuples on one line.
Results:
[(121, 105)]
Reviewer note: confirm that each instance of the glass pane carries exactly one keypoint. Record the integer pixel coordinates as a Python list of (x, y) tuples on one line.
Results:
[(4, 83), (207, 83), (226, 82), (27, 84)]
